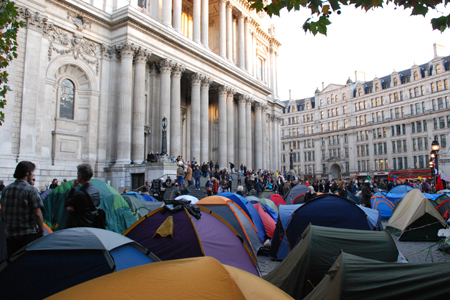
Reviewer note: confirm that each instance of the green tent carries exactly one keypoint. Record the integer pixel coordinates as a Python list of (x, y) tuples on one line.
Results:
[(354, 277), (318, 249), (138, 207), (269, 203), (118, 214), (266, 193), (415, 219)]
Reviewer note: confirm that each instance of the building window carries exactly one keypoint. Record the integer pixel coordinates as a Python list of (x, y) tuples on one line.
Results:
[(260, 68), (414, 145), (393, 147), (380, 148), (435, 123), (416, 75), (420, 143), (344, 97), (413, 127), (419, 126), (438, 69), (66, 105), (381, 165), (441, 122), (433, 87), (443, 141)]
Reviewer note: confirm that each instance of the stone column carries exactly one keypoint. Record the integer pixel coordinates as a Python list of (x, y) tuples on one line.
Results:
[(229, 31), (155, 109), (230, 125), (137, 153), (167, 13), (254, 58), (241, 46), (272, 143), (102, 143), (165, 67), (196, 79), (124, 108), (248, 46), (204, 120), (223, 127), (248, 120), (275, 75), (271, 67), (278, 143), (196, 20), (154, 9), (242, 131), (205, 23), (258, 136), (223, 29), (177, 11), (175, 110), (264, 137)]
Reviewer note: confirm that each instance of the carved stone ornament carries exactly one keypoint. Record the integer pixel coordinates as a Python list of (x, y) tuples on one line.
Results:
[(272, 30), (35, 20), (142, 55), (242, 99), (107, 51), (206, 81), (80, 21), (177, 70), (79, 47), (258, 105), (165, 65), (223, 89), (127, 50), (249, 100), (196, 78), (231, 92)]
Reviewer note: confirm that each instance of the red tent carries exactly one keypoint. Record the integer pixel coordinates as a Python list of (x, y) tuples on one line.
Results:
[(269, 223), (439, 185), (277, 199)]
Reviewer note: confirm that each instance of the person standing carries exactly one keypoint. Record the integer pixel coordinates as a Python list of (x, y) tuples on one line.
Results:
[(21, 209), (366, 194), (188, 176), (197, 175), (82, 204), (2, 186), (54, 184)]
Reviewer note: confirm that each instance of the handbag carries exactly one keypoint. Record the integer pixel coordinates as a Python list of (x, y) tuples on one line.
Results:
[(99, 215)]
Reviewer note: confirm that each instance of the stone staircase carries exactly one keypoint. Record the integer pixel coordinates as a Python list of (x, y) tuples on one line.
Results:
[(202, 193)]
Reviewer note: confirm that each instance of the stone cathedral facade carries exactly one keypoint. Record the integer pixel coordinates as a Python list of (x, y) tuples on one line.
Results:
[(94, 79)]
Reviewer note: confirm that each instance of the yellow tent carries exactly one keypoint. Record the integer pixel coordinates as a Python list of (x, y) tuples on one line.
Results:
[(191, 278), (415, 219)]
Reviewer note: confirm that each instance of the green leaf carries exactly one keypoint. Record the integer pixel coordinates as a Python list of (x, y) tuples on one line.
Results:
[(419, 10)]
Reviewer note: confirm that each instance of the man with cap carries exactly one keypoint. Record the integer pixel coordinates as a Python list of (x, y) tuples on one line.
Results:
[(366, 194)]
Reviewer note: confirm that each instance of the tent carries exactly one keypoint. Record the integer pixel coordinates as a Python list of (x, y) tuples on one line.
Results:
[(373, 216), (277, 199), (118, 214), (149, 198), (193, 199), (269, 222), (354, 198), (436, 199), (383, 204), (176, 235), (236, 217), (44, 194), (153, 205), (415, 219), (136, 195), (247, 206), (138, 207), (266, 193), (354, 277), (401, 189), (325, 210), (296, 195), (310, 260), (443, 208), (269, 207), (66, 258), (193, 278)]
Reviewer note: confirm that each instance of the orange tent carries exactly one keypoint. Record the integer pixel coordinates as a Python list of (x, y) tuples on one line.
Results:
[(191, 278)]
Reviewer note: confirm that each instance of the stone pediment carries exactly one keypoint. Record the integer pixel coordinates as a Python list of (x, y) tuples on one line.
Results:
[(334, 159), (331, 87)]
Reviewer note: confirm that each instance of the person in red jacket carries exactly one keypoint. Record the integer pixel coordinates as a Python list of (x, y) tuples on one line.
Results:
[(215, 186)]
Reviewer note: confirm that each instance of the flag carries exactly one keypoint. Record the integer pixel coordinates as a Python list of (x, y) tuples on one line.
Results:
[(439, 185), (368, 177)]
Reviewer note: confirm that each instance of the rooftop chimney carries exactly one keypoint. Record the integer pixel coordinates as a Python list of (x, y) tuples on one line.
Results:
[(438, 50)]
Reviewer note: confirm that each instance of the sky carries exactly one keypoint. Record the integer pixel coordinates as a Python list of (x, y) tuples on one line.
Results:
[(376, 42)]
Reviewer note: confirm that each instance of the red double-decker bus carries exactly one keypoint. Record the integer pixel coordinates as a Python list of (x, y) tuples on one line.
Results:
[(410, 174)]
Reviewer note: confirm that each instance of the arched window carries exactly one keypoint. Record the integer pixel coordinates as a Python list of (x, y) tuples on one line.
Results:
[(438, 69), (377, 87), (66, 105), (395, 82), (321, 102), (360, 92), (344, 97), (416, 75)]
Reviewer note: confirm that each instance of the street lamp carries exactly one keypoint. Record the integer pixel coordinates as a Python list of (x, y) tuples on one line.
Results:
[(164, 136), (435, 157)]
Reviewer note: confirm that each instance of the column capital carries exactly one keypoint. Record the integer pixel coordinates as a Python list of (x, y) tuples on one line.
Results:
[(177, 70), (206, 82), (249, 101), (258, 106), (165, 65), (107, 51), (196, 78), (231, 92), (127, 50), (223, 1), (241, 15), (153, 70), (230, 5), (242, 99), (142, 55), (223, 89)]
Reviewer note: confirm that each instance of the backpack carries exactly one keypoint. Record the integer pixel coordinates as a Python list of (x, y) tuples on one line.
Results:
[(99, 215)]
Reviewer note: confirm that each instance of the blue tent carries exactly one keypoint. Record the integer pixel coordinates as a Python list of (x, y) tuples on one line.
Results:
[(382, 203), (248, 208), (325, 210), (137, 195), (273, 214), (373, 216), (280, 246), (66, 258), (400, 189), (149, 198)]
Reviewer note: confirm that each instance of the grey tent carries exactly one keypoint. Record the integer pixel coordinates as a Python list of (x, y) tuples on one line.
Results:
[(318, 249), (354, 277), (138, 207)]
